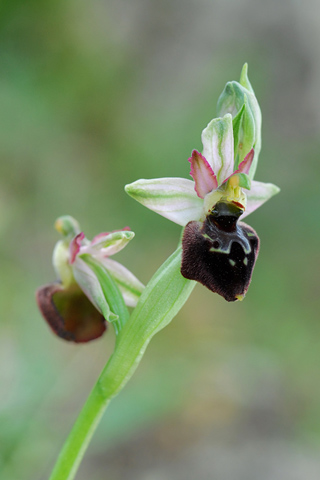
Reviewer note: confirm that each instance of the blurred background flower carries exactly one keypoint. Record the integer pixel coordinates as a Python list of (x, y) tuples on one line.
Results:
[(93, 96)]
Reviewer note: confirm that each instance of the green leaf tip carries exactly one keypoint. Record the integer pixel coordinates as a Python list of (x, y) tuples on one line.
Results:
[(244, 80)]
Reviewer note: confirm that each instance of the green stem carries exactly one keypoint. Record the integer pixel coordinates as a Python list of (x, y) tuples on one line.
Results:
[(161, 300), (79, 438)]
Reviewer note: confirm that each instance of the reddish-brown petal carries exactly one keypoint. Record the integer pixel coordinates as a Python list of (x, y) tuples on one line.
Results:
[(203, 175), (245, 165), (69, 313), (75, 245)]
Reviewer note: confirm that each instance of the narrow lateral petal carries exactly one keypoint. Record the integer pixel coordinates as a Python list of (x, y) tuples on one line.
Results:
[(130, 287), (218, 148), (173, 198), (75, 246), (258, 194), (246, 163), (241, 175), (202, 174)]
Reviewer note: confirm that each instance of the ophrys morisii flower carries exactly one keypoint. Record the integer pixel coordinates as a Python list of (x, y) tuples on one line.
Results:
[(76, 306), (218, 251)]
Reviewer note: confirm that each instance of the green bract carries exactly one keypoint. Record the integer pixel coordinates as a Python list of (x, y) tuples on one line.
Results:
[(239, 100)]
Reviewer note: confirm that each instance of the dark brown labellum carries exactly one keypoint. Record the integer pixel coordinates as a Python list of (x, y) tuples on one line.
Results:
[(69, 313), (220, 253)]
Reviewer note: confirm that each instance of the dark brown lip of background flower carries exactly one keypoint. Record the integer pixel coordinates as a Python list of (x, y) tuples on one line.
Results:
[(69, 313)]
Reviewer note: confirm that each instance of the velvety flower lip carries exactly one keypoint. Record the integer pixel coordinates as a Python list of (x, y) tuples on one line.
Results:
[(220, 252), (76, 307)]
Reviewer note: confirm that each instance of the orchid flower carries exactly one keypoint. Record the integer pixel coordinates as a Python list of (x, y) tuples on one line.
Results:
[(217, 251), (79, 304)]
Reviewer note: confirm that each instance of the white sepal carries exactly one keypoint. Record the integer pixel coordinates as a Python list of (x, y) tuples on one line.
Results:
[(130, 287), (91, 287), (259, 193), (173, 198), (108, 244)]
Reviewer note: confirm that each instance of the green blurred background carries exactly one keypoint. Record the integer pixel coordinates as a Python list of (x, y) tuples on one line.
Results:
[(95, 95)]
